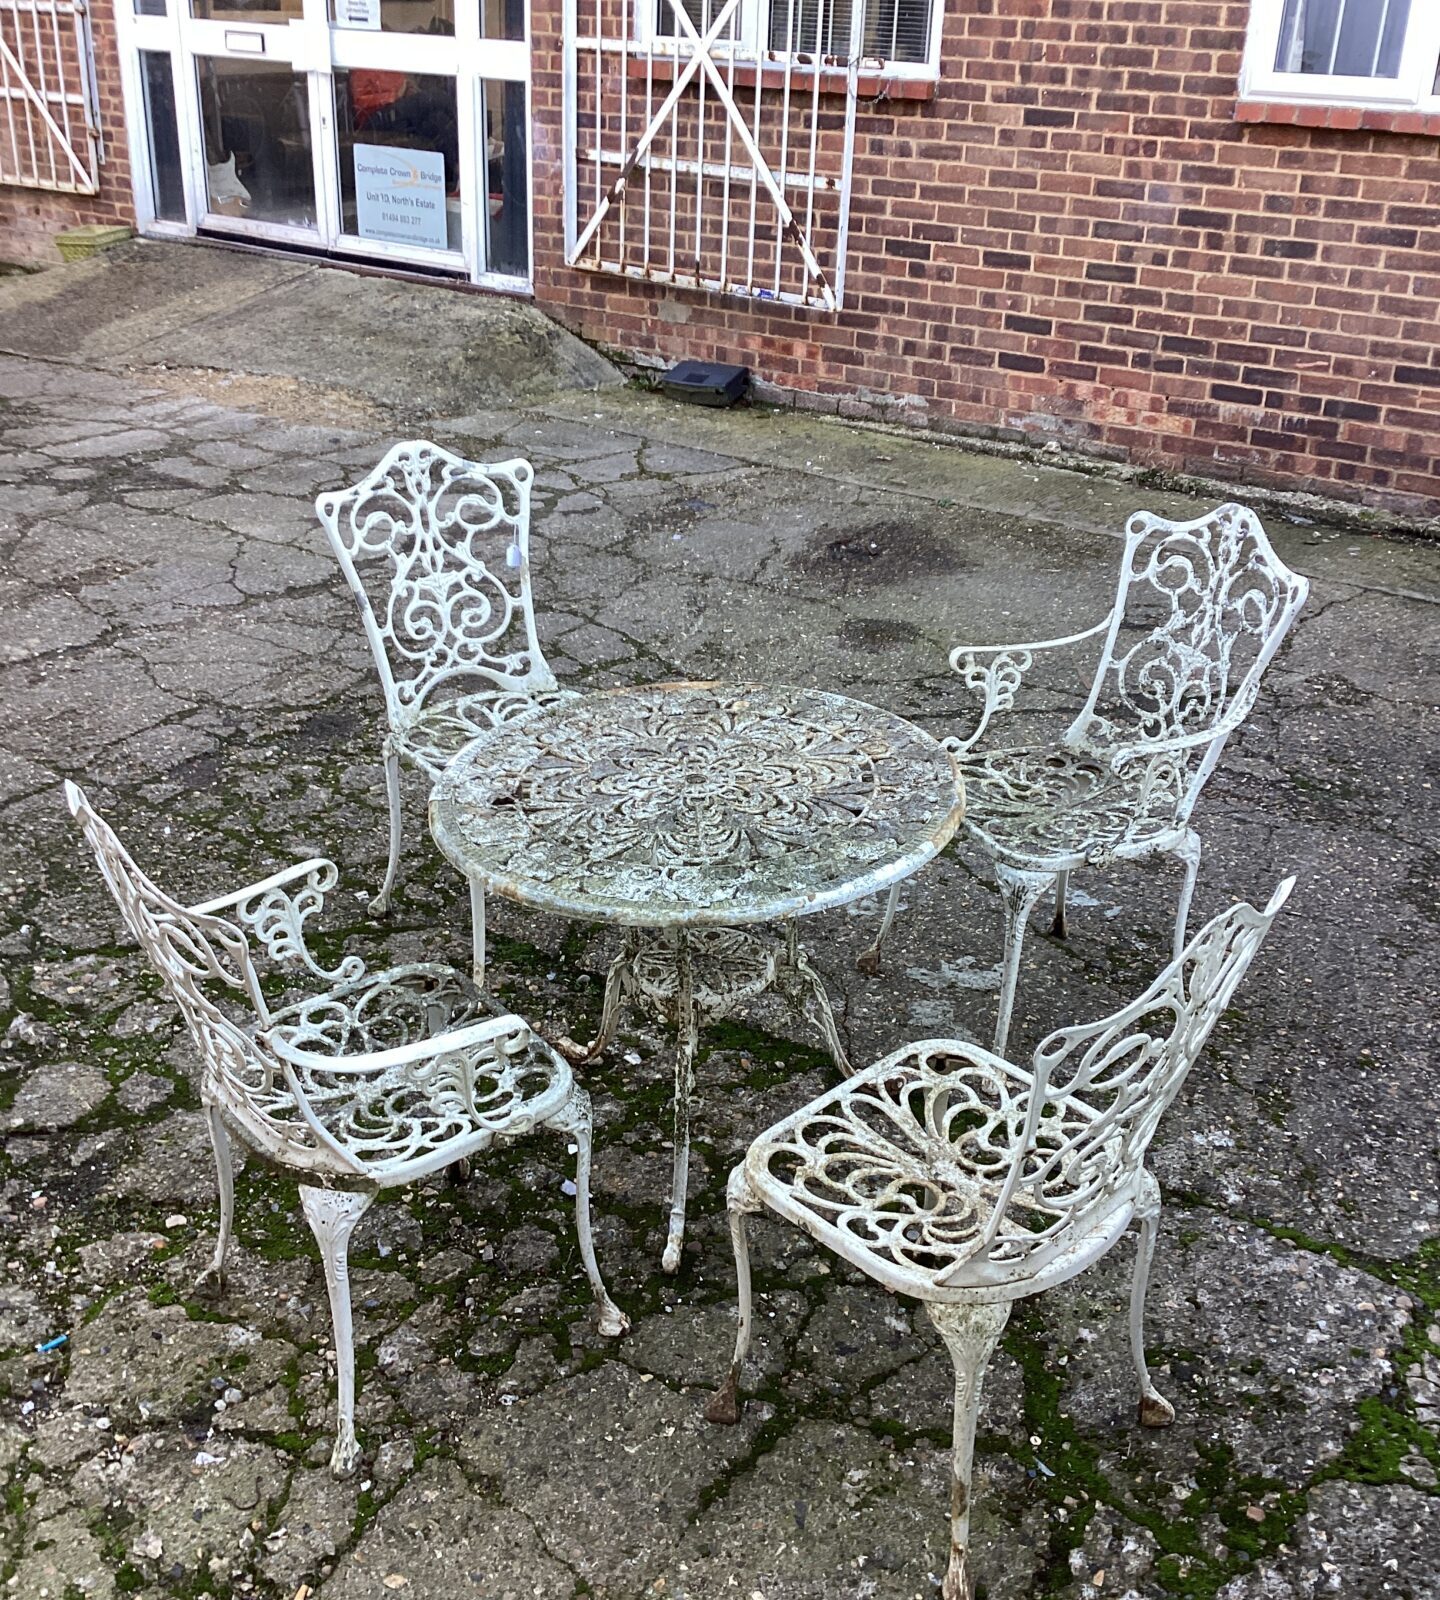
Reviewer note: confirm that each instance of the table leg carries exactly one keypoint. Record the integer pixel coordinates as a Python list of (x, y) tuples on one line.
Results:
[(477, 931), (618, 980), (818, 1010), (686, 1041)]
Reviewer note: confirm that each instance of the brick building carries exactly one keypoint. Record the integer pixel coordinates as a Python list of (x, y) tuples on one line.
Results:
[(65, 65), (1198, 234)]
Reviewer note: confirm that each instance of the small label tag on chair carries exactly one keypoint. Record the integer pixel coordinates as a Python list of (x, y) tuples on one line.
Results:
[(512, 555)]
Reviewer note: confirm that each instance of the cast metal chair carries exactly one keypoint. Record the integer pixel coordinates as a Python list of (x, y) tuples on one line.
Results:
[(454, 639), (949, 1174), (371, 1080), (1200, 609)]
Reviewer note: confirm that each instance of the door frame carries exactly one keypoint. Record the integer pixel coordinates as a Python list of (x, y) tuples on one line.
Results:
[(316, 48)]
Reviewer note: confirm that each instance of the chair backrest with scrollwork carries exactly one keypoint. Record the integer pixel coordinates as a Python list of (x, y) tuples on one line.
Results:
[(193, 953), (454, 538), (1101, 1088), (1200, 610)]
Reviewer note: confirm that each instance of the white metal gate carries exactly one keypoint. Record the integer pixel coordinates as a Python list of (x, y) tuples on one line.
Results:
[(49, 122), (694, 155)]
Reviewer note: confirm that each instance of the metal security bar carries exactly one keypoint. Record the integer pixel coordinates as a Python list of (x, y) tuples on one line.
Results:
[(49, 122), (695, 157)]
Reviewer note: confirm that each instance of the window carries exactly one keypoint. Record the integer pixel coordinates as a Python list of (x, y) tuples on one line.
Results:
[(1345, 52), (167, 184), (893, 30), (899, 33)]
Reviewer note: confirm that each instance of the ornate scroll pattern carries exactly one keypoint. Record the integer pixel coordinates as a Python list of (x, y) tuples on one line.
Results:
[(1128, 1068), (387, 1117), (695, 802), (455, 539), (997, 681), (729, 967), (444, 727), (996, 672), (1225, 599), (276, 915), (193, 952), (384, 1011), (1201, 607), (369, 1118), (1056, 805), (908, 1160), (941, 1153)]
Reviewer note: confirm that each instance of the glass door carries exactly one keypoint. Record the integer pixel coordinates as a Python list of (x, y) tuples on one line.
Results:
[(393, 130), (431, 160), (402, 140), (255, 132)]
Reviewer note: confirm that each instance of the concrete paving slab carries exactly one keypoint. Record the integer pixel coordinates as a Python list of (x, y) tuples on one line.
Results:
[(161, 305), (180, 642), (115, 306)]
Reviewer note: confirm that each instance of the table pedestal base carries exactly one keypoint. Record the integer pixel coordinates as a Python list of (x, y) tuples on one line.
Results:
[(693, 976)]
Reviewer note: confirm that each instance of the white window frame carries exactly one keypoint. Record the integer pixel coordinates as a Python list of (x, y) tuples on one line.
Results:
[(754, 35), (1412, 90)]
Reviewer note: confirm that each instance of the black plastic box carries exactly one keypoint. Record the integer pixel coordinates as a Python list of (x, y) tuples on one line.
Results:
[(706, 383)]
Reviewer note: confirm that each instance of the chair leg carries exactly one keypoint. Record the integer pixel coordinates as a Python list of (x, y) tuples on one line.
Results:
[(971, 1333), (332, 1215), (1018, 893), (1188, 851), (1058, 927), (574, 1120), (740, 1199), (687, 1039), (868, 961), (1155, 1410), (381, 903), (214, 1275), (477, 932)]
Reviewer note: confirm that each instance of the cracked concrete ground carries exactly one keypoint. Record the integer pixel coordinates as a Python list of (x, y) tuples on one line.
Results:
[(178, 640)]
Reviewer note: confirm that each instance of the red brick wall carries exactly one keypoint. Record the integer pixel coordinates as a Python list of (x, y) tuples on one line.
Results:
[(30, 218), (1078, 240)]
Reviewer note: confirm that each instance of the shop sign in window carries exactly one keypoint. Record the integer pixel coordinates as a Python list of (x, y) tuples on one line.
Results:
[(400, 196)]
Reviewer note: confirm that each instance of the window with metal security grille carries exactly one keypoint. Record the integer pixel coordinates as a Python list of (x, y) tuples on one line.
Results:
[(1345, 52), (699, 12), (698, 156), (897, 33), (49, 123)]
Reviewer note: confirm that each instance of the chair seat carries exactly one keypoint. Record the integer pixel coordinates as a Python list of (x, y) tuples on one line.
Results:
[(1045, 805), (442, 730), (394, 1121), (901, 1168)]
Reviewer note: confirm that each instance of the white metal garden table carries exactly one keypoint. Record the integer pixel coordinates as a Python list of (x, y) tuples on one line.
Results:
[(687, 814)]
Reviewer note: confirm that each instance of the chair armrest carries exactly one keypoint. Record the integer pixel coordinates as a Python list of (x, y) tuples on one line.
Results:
[(508, 1032), (276, 915), (998, 680), (464, 1051)]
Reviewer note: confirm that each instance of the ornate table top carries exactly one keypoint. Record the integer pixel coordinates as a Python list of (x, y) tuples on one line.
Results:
[(697, 804)]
